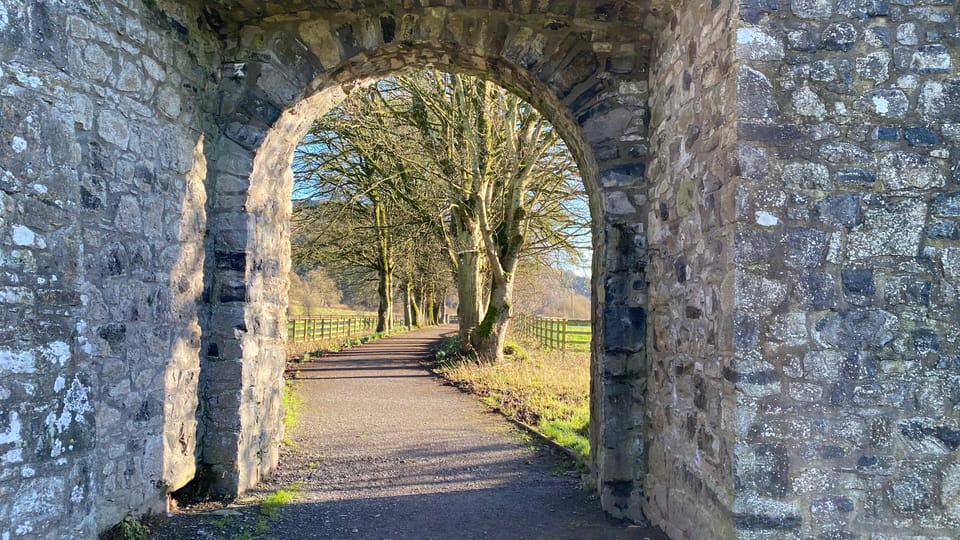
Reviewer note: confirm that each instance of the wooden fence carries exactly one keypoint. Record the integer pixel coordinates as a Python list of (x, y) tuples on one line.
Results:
[(554, 333), (309, 329)]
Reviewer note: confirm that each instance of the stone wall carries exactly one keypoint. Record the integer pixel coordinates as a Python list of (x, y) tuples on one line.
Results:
[(847, 269), (782, 363), (689, 405), (101, 228)]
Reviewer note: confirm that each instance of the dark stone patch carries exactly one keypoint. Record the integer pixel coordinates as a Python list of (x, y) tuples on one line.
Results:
[(917, 430), (853, 330), (48, 40), (944, 230), (115, 260), (752, 377), (699, 392), (920, 136), (621, 64), (578, 69), (767, 133), (753, 522), (624, 175), (113, 333), (817, 291), (947, 204), (680, 268), (888, 134), (752, 10), (236, 261), (909, 291), (624, 328), (388, 26), (874, 464), (260, 109), (746, 331), (233, 293), (755, 95), (843, 210), (925, 340), (245, 135), (858, 281), (862, 177), (143, 414), (348, 39)]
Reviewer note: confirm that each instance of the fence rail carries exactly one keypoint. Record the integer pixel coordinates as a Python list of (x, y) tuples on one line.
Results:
[(555, 333), (310, 329)]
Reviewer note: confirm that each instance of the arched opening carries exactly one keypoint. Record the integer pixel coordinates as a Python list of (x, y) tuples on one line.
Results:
[(250, 261)]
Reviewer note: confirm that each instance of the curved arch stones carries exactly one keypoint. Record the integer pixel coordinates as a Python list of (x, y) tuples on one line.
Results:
[(776, 213)]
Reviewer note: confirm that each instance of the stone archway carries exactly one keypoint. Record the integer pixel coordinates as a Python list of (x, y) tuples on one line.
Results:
[(775, 196), (299, 68)]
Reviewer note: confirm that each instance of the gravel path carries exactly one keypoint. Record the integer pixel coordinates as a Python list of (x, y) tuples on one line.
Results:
[(384, 450)]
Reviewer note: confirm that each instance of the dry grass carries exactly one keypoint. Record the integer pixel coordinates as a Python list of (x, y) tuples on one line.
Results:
[(543, 388)]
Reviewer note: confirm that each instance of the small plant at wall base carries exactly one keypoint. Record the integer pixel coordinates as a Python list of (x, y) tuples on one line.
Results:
[(292, 404), (128, 529), (270, 507)]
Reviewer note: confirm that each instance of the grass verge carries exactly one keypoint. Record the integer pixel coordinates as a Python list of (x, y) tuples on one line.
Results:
[(545, 389)]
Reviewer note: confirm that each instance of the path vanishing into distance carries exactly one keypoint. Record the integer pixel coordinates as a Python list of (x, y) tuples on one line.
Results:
[(384, 450)]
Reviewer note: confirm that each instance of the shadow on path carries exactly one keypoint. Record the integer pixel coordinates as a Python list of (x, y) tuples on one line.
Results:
[(384, 450)]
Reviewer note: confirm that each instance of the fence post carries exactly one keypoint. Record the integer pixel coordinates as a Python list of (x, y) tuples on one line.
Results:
[(563, 345)]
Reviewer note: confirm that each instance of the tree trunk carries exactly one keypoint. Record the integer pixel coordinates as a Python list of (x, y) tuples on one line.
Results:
[(430, 309), (407, 319), (412, 305), (385, 307), (492, 333), (385, 285), (468, 291)]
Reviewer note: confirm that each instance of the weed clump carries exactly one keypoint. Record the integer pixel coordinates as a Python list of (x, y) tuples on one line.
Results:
[(128, 529)]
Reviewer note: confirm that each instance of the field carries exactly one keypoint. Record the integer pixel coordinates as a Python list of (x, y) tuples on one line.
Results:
[(302, 311)]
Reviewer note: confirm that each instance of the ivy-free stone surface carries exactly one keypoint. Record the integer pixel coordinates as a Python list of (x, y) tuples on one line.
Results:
[(774, 191)]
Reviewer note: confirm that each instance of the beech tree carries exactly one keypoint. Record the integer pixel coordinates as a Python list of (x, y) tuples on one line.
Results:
[(505, 173), (474, 174)]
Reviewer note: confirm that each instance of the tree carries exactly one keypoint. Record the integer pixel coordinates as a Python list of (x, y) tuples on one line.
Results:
[(507, 177), (475, 176)]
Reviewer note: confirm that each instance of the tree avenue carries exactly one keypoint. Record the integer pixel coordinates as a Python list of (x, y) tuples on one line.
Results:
[(429, 178)]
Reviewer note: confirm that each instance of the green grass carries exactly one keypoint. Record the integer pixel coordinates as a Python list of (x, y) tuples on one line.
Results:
[(301, 311), (546, 389), (292, 405), (271, 505), (128, 529)]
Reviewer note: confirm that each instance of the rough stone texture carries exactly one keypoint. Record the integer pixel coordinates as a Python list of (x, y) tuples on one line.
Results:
[(102, 222), (688, 403), (846, 382), (780, 363)]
